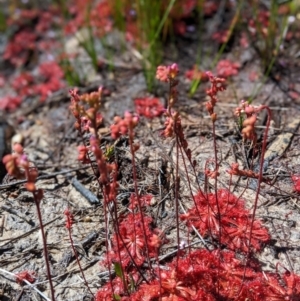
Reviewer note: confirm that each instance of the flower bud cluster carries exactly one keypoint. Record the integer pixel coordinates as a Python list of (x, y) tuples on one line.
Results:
[(217, 85), (170, 124), (18, 165), (69, 218), (85, 109), (167, 73), (236, 171), (248, 131), (124, 126)]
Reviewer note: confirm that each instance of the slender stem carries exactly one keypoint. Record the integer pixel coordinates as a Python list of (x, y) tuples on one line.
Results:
[(217, 199), (216, 182), (37, 204), (190, 188), (105, 206), (116, 226), (260, 174), (78, 261), (177, 184), (137, 194), (261, 164)]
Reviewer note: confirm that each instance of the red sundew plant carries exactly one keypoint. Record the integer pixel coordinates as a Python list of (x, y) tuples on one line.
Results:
[(10, 103), (96, 15), (52, 76), (296, 182), (23, 84), (25, 275), (33, 24), (18, 50), (148, 107), (226, 68), (130, 244), (234, 221), (209, 7), (145, 201), (226, 268), (221, 36), (35, 33), (48, 79)]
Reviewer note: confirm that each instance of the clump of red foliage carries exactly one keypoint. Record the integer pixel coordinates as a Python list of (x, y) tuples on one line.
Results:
[(32, 38), (47, 79)]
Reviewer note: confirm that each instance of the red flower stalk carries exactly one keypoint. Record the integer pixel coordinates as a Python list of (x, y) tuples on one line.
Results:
[(106, 170), (168, 74), (83, 154), (217, 85), (69, 218)]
